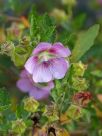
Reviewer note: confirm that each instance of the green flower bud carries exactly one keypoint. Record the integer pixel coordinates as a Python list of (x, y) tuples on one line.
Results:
[(79, 84), (52, 113), (25, 40), (69, 2), (18, 126), (53, 118), (15, 31), (30, 104), (59, 15), (43, 108), (20, 54), (79, 69), (7, 48), (74, 112)]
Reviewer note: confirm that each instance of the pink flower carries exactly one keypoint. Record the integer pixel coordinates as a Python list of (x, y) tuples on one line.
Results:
[(38, 91), (48, 62)]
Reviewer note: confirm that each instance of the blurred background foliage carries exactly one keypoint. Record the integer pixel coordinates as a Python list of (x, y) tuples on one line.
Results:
[(71, 17)]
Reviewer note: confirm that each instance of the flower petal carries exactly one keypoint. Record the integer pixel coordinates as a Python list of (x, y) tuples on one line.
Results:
[(23, 74), (59, 67), (24, 85), (41, 93), (60, 50), (31, 64), (42, 73), (41, 47)]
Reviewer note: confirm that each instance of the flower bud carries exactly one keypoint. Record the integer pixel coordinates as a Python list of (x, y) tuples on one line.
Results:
[(52, 113), (69, 2), (82, 98), (25, 40), (18, 126), (53, 118), (7, 48), (15, 30), (79, 69), (79, 83), (59, 15), (74, 112), (30, 104)]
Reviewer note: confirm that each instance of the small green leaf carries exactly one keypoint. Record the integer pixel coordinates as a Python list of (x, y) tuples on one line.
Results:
[(28, 122), (54, 95), (21, 112), (33, 22), (4, 128), (84, 42), (32, 27), (43, 120)]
